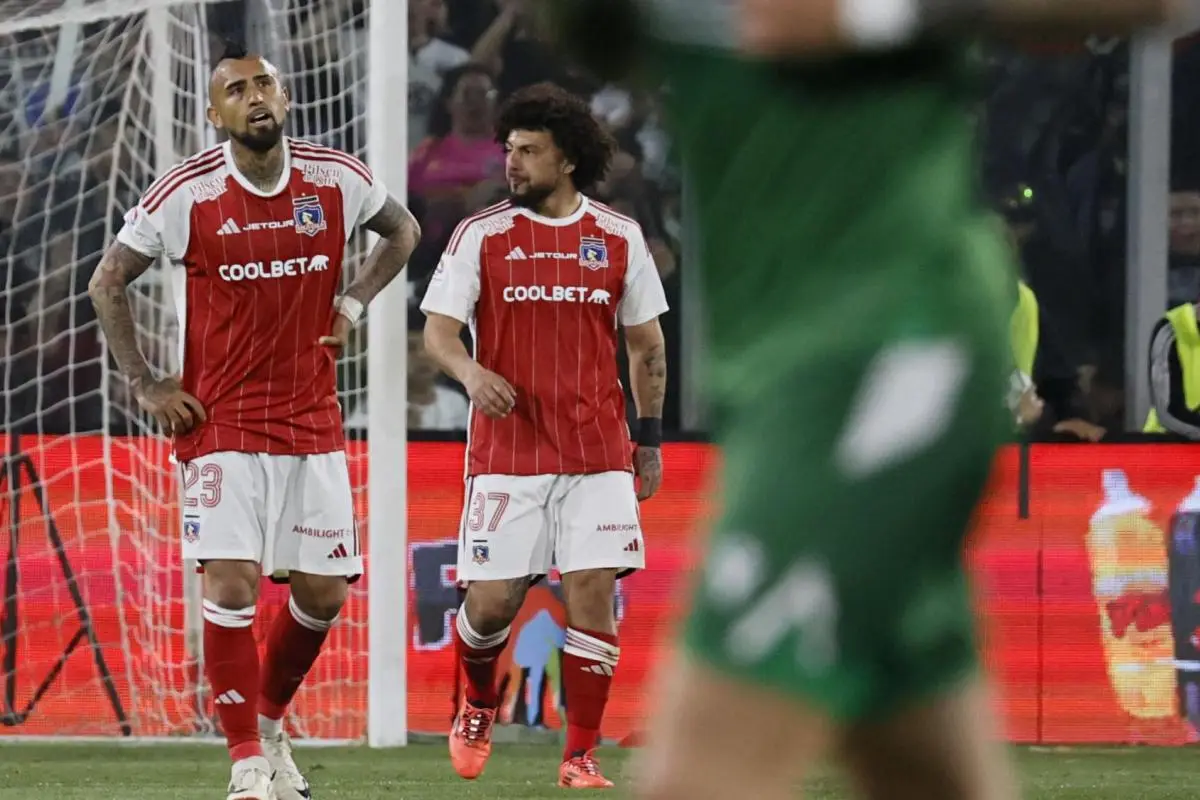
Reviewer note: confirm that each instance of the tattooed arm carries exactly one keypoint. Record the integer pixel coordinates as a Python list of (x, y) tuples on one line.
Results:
[(648, 380), (647, 368), (176, 410), (121, 266), (399, 234)]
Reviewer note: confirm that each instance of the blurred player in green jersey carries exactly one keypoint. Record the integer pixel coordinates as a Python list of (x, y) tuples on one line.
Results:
[(857, 298)]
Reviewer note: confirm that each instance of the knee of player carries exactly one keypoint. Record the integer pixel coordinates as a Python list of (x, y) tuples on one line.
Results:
[(231, 584), (491, 606), (319, 596), (590, 597)]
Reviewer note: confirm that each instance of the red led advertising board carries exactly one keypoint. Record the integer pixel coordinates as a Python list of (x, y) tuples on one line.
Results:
[(1073, 600)]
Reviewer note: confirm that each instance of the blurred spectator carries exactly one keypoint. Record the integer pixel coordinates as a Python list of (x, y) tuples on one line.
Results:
[(431, 406), (460, 167), (511, 48), (1183, 278), (457, 170), (430, 57)]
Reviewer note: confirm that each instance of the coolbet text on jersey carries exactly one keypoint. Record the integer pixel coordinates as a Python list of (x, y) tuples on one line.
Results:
[(254, 275)]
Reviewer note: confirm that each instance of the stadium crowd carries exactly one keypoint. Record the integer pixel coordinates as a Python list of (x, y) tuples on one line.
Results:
[(1053, 129), (1055, 137)]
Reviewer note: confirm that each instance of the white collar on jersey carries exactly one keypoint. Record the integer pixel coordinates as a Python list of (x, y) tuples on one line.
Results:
[(570, 219), (285, 175)]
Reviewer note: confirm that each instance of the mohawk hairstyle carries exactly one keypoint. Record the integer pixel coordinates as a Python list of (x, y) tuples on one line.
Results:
[(569, 121), (234, 49)]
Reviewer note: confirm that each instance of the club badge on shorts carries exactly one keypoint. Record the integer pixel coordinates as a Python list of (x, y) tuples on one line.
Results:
[(593, 253), (191, 530), (480, 554), (308, 216)]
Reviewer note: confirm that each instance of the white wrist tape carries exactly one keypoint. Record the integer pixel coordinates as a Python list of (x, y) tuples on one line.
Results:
[(879, 23), (349, 308)]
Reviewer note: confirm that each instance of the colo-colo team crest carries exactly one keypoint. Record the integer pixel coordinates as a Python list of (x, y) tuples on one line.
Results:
[(308, 216), (593, 253)]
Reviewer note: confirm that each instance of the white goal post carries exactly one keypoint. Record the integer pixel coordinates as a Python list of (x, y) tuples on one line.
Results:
[(99, 627)]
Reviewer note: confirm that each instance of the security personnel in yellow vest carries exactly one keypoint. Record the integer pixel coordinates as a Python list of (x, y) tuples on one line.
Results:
[(1023, 400), (1175, 374), (1058, 376)]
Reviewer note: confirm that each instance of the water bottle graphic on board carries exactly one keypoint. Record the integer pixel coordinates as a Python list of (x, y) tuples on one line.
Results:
[(1128, 558), (1184, 573)]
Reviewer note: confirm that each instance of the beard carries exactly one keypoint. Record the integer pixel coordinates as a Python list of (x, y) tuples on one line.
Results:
[(532, 197), (259, 140)]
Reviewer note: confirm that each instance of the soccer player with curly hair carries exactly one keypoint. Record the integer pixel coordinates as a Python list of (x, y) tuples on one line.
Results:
[(545, 280)]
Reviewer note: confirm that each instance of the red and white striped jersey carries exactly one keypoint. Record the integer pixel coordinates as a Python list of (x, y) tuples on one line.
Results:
[(254, 275), (543, 298)]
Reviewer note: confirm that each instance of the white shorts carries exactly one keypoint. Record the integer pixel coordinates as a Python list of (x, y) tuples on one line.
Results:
[(518, 525), (288, 513)]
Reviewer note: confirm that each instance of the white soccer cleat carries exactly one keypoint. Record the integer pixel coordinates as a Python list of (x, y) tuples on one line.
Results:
[(251, 780), (289, 783)]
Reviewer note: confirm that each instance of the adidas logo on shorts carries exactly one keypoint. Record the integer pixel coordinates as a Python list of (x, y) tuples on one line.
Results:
[(339, 552)]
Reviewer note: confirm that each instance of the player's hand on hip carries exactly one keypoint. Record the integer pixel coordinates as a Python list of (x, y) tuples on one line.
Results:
[(648, 467), (490, 393), (339, 337), (176, 410)]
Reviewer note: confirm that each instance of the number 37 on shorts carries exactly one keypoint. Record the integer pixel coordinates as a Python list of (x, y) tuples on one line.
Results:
[(518, 525), (286, 513)]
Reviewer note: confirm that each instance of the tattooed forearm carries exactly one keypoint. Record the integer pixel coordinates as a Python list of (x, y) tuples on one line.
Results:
[(647, 368), (653, 373), (120, 266), (399, 234)]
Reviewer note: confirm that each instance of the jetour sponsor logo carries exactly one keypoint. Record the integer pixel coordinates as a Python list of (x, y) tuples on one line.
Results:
[(270, 270), (270, 225)]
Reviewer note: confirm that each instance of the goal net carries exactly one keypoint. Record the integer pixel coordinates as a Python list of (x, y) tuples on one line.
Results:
[(99, 630)]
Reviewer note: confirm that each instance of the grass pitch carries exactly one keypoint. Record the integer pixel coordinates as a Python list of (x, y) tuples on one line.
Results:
[(422, 772)]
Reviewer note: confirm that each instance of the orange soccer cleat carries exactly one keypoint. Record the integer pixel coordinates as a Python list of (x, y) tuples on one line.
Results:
[(471, 740), (582, 772)]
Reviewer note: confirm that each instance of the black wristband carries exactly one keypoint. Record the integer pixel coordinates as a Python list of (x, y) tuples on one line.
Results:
[(649, 432)]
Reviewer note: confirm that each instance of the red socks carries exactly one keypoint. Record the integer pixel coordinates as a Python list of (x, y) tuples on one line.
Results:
[(589, 659), (231, 663), (292, 646), (477, 656)]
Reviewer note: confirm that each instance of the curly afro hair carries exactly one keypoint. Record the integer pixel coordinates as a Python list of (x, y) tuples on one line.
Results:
[(569, 121)]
